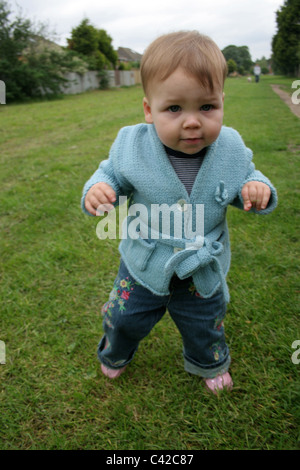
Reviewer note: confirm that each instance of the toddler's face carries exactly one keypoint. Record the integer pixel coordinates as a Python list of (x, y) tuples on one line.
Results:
[(187, 116)]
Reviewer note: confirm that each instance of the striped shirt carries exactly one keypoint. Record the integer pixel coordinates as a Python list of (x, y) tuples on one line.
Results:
[(186, 166)]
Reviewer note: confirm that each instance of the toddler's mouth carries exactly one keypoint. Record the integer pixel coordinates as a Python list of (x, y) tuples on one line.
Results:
[(193, 140)]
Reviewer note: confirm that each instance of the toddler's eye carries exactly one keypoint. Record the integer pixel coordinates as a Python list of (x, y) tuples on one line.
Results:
[(206, 107), (174, 108)]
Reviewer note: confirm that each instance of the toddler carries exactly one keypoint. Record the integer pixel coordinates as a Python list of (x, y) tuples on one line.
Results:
[(183, 159)]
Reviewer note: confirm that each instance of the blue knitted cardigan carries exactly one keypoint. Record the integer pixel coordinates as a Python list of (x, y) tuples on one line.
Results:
[(139, 168)]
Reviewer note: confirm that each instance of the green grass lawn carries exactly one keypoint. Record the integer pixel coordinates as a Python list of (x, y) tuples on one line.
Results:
[(56, 274)]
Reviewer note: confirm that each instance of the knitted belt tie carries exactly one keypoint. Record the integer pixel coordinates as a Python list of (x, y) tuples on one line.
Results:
[(186, 262)]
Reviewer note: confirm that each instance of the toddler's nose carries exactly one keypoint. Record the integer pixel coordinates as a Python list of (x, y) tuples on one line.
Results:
[(191, 121)]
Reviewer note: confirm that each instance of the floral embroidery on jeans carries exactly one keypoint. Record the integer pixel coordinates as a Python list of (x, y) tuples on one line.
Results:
[(119, 295), (216, 350), (193, 290), (218, 323)]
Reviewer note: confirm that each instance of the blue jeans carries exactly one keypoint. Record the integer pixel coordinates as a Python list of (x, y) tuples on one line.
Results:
[(132, 311)]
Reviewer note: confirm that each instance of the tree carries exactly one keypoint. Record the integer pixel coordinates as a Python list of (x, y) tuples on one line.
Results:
[(285, 43), (26, 69), (240, 55), (105, 46), (84, 38), (13, 39), (95, 44)]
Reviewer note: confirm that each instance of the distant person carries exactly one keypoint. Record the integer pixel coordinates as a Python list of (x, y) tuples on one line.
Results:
[(182, 157), (257, 72)]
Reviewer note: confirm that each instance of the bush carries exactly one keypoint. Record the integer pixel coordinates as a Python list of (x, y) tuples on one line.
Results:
[(232, 66), (104, 80)]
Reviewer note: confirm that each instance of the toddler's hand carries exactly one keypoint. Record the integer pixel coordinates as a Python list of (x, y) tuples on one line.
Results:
[(255, 194), (100, 194)]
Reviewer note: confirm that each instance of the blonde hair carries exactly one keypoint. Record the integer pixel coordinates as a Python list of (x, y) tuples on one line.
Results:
[(196, 54)]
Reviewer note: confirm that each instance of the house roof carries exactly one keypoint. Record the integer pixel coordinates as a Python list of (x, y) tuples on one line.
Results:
[(128, 55), (40, 44)]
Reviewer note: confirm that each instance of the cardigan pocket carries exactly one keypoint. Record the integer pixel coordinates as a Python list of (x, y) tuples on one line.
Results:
[(141, 250)]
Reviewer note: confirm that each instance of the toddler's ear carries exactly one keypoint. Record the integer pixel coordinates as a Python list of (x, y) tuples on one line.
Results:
[(147, 111)]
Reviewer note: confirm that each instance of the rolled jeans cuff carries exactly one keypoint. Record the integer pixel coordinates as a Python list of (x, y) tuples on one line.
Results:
[(207, 373), (107, 362)]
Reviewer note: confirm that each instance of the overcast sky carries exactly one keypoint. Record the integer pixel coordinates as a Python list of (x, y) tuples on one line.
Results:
[(135, 23)]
